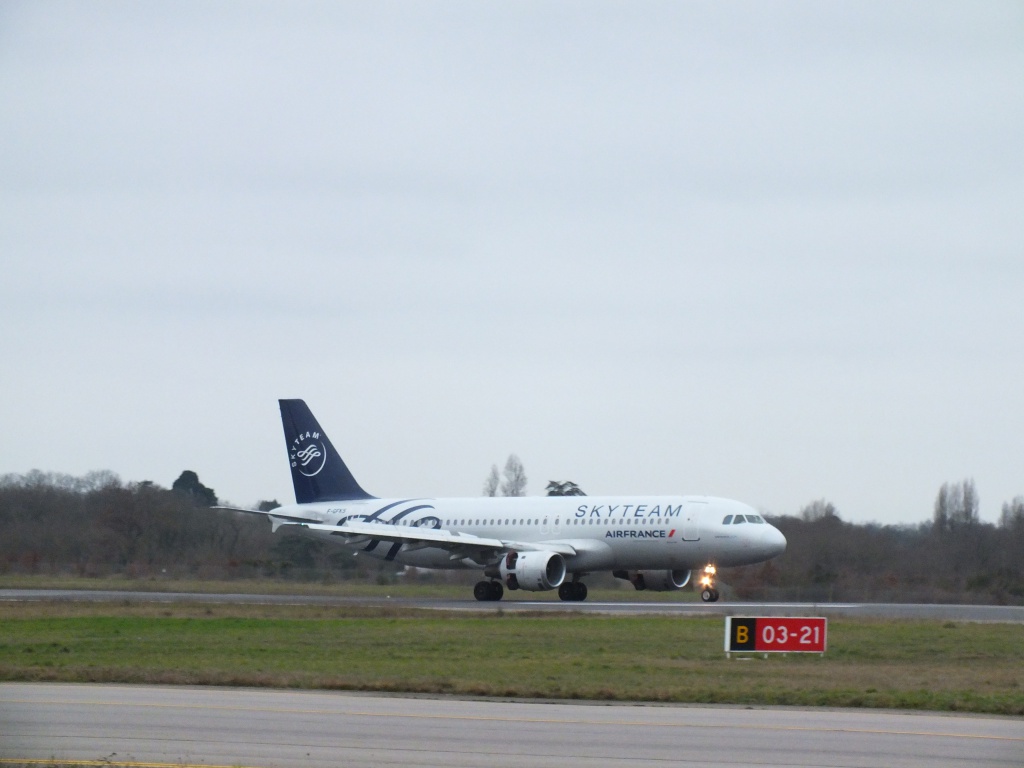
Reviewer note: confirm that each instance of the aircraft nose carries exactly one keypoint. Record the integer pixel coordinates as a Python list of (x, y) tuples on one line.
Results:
[(775, 541)]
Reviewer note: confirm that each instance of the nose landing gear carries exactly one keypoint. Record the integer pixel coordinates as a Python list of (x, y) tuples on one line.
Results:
[(708, 593)]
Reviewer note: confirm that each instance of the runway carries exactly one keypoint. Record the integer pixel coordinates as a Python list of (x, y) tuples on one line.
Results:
[(998, 613), (146, 725)]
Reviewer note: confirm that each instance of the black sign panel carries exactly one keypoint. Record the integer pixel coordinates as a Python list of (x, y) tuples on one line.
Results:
[(742, 634)]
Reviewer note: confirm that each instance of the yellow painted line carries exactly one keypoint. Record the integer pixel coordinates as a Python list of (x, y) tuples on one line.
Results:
[(12, 761), (535, 720)]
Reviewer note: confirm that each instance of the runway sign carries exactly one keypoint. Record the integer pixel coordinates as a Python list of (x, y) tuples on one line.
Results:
[(772, 634)]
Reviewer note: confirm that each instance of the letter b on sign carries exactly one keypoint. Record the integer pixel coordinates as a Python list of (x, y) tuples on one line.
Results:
[(743, 634)]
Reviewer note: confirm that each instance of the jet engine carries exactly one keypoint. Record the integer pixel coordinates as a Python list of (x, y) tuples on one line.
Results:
[(533, 571), (656, 581)]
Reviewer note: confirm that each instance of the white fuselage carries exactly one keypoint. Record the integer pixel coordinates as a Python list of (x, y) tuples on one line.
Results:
[(605, 533)]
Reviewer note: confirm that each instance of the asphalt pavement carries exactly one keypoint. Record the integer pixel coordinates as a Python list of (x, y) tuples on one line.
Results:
[(245, 728)]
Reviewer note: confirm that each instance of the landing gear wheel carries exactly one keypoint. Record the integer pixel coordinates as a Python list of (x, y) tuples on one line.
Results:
[(488, 591), (709, 595), (572, 591)]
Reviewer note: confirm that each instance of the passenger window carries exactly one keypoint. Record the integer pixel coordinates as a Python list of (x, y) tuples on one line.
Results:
[(727, 520)]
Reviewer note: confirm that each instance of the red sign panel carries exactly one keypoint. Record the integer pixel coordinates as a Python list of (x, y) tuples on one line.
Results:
[(772, 634)]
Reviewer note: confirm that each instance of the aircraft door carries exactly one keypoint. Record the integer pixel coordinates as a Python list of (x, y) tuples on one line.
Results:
[(692, 513)]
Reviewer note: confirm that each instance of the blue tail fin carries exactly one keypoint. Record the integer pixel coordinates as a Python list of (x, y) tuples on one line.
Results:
[(318, 472)]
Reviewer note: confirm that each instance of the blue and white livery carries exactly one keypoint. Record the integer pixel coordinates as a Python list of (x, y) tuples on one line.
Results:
[(529, 543)]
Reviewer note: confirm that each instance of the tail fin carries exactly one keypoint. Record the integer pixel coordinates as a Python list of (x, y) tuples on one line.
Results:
[(318, 472)]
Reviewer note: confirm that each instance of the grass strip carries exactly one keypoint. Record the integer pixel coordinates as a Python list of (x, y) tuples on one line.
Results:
[(870, 663)]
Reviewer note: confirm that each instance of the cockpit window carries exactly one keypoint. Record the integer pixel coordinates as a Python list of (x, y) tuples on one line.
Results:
[(755, 519), (727, 520), (739, 519)]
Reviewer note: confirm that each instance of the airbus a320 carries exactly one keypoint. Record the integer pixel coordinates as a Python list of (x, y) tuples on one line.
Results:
[(522, 543)]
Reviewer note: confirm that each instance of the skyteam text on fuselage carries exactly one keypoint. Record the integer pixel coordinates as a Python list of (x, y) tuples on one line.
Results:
[(529, 543)]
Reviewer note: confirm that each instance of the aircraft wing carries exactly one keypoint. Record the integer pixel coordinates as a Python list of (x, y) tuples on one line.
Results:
[(459, 544)]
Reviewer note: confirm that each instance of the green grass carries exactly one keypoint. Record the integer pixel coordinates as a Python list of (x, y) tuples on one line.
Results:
[(920, 665)]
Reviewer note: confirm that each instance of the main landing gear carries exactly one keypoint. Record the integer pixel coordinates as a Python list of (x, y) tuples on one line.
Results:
[(488, 590), (572, 591), (708, 593)]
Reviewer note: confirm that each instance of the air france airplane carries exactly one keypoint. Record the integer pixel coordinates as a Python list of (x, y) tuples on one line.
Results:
[(528, 543)]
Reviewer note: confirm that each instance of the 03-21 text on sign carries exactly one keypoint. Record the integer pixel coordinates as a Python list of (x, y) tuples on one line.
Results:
[(774, 634)]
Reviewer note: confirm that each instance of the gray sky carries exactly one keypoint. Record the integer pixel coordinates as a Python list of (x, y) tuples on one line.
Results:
[(769, 251)]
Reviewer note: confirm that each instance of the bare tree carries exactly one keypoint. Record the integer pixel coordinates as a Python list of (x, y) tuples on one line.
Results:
[(1013, 514), (943, 502), (818, 510), (969, 511), (515, 477), (956, 506), (492, 482)]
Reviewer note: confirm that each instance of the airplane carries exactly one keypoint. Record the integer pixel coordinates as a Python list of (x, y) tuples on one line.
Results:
[(521, 543)]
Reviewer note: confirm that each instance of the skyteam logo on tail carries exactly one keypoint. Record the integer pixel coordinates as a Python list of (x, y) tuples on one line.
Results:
[(308, 454)]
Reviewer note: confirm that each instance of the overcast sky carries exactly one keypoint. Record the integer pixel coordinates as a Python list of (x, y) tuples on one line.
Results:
[(768, 251)]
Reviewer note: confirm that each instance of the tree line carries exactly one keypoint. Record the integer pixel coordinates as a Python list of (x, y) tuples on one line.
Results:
[(97, 525), (954, 557)]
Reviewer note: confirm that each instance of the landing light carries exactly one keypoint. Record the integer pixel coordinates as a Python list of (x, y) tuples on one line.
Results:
[(708, 577)]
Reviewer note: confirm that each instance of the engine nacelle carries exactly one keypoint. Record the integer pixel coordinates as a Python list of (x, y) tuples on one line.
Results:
[(533, 571), (656, 581)]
